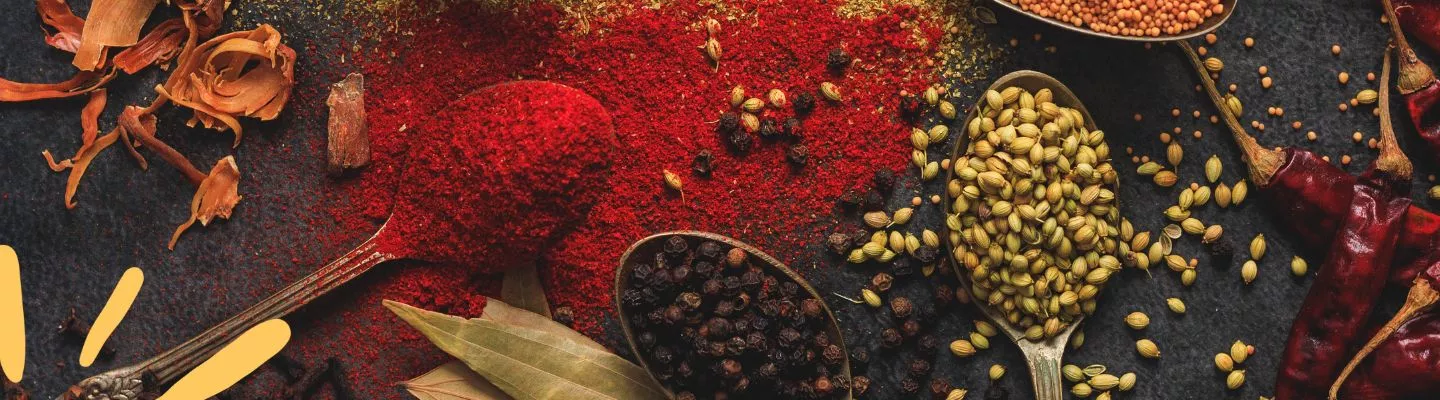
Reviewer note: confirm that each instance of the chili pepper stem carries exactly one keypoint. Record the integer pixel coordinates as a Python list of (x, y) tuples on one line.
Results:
[(1392, 160), (1263, 162), (1414, 74), (1420, 298)]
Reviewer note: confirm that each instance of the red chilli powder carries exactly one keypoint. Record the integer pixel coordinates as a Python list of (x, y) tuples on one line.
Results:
[(664, 96)]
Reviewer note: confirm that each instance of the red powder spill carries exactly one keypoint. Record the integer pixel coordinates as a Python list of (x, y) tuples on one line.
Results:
[(499, 173), (663, 95)]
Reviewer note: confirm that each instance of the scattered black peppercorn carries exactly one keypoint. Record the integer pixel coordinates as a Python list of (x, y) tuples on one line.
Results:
[(729, 124), (704, 163), (884, 180), (833, 355), (735, 258), (890, 338), (1221, 254), (564, 315), (901, 306), (676, 246), (804, 103), (919, 368), (859, 385), (812, 308), (910, 328), (944, 295), (793, 128), (740, 141), (709, 250), (909, 386), (910, 108), (902, 267), (939, 388), (797, 155), (689, 301), (838, 243), (823, 386), (859, 357), (928, 343), (927, 254), (874, 200), (851, 200), (838, 60), (769, 130)]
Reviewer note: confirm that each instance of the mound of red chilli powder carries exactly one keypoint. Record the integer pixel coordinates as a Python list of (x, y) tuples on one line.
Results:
[(497, 173)]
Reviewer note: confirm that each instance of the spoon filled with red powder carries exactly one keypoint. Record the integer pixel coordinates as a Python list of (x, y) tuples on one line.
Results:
[(490, 180)]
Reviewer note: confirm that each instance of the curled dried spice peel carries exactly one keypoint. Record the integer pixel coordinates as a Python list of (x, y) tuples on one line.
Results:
[(239, 74), (164, 42), (57, 15), (216, 197), (113, 23), (81, 83)]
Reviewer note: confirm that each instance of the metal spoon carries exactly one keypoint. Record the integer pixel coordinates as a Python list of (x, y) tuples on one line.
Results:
[(1209, 25), (387, 243), (1043, 358)]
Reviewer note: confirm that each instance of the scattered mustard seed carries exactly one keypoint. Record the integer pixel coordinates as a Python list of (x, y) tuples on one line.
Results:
[(1295, 125), (1370, 76), (1344, 77), (1264, 70), (1310, 135), (1345, 159), (1138, 117), (1266, 82), (1357, 136), (1233, 88), (1165, 137), (1344, 107), (1195, 114), (1175, 112), (1335, 49), (1198, 134), (1214, 119), (1211, 38), (1201, 50)]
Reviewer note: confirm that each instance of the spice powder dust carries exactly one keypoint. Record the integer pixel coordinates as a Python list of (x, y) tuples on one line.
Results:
[(644, 66)]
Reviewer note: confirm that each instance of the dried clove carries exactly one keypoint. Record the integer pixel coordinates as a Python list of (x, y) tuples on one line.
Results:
[(704, 163)]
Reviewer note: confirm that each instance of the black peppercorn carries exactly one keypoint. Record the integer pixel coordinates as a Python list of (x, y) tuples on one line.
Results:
[(662, 355), (927, 254), (850, 200), (684, 369), (789, 338), (735, 346), (902, 267), (838, 60), (717, 327), (928, 343), (704, 163), (939, 388), (769, 129), (640, 274), (647, 339), (709, 250), (919, 368), (793, 129), (823, 386), (833, 355), (881, 282), (740, 141), (725, 308), (735, 258), (731, 368), (673, 314), (689, 301), (752, 278), (756, 341), (838, 243), (821, 340), (676, 246), (632, 298), (680, 275), (732, 285), (874, 200), (884, 180), (712, 287), (729, 124), (859, 356), (768, 370), (909, 386), (789, 289), (797, 155), (910, 328), (859, 385), (812, 308), (705, 269), (944, 295), (890, 338), (1221, 253), (740, 385), (564, 315), (804, 103), (910, 108), (901, 306)]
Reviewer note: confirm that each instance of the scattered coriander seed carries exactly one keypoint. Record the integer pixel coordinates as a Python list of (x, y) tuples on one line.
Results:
[(1248, 271), (877, 219), (1298, 266), (1103, 396), (979, 341), (1433, 192), (871, 299), (1165, 178), (1127, 382), (830, 91), (1137, 320), (1187, 277), (1238, 192), (1213, 64), (1176, 305), (1235, 380), (1192, 226), (1077, 340), (672, 180), (997, 371), (1257, 247), (1104, 381), (777, 98), (1239, 352), (753, 105), (955, 394), (1093, 369), (1367, 96), (1212, 233), (1224, 363), (962, 348), (1174, 153), (985, 329), (1072, 373), (1081, 390), (737, 96)]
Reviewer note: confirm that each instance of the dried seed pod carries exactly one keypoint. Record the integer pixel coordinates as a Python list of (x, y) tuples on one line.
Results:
[(1127, 382), (753, 105), (877, 219), (1298, 266), (1202, 196), (1137, 320), (962, 348), (930, 171), (713, 51), (1149, 168), (1165, 178), (903, 215), (1367, 96), (737, 96), (1235, 380), (1212, 233), (777, 98), (1248, 271), (1173, 153), (929, 238), (830, 91), (1072, 373), (1224, 363), (1081, 390), (1257, 247), (1213, 64), (938, 133), (1222, 195), (1213, 167), (1237, 193), (1104, 381), (1187, 277), (750, 122), (712, 27), (1147, 348), (997, 371), (979, 341), (947, 110), (1192, 226), (1077, 340), (956, 394), (871, 298), (1176, 305), (1239, 352), (985, 329)]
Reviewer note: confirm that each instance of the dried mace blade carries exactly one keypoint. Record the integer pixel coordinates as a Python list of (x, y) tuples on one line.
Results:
[(216, 197), (213, 79)]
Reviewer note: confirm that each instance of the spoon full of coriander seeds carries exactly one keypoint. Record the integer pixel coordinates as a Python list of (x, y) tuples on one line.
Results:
[(1033, 221)]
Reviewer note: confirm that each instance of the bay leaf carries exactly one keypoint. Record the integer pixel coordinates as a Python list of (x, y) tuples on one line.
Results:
[(501, 312), (521, 288), (530, 363), (453, 381)]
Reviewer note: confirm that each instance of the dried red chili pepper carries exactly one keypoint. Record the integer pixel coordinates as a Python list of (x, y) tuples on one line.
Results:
[(1419, 17), (1349, 283), (1416, 81), (1406, 365), (1359, 257)]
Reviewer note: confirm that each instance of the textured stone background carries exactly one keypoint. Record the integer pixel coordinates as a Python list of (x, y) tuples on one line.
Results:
[(72, 258)]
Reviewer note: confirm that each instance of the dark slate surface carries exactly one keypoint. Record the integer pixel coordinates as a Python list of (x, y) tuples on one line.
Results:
[(71, 258)]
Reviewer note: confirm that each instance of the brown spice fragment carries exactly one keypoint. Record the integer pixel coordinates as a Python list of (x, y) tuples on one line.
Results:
[(112, 23), (349, 143), (216, 196)]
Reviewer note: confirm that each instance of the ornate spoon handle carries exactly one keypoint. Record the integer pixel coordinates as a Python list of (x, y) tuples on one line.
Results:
[(127, 382)]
